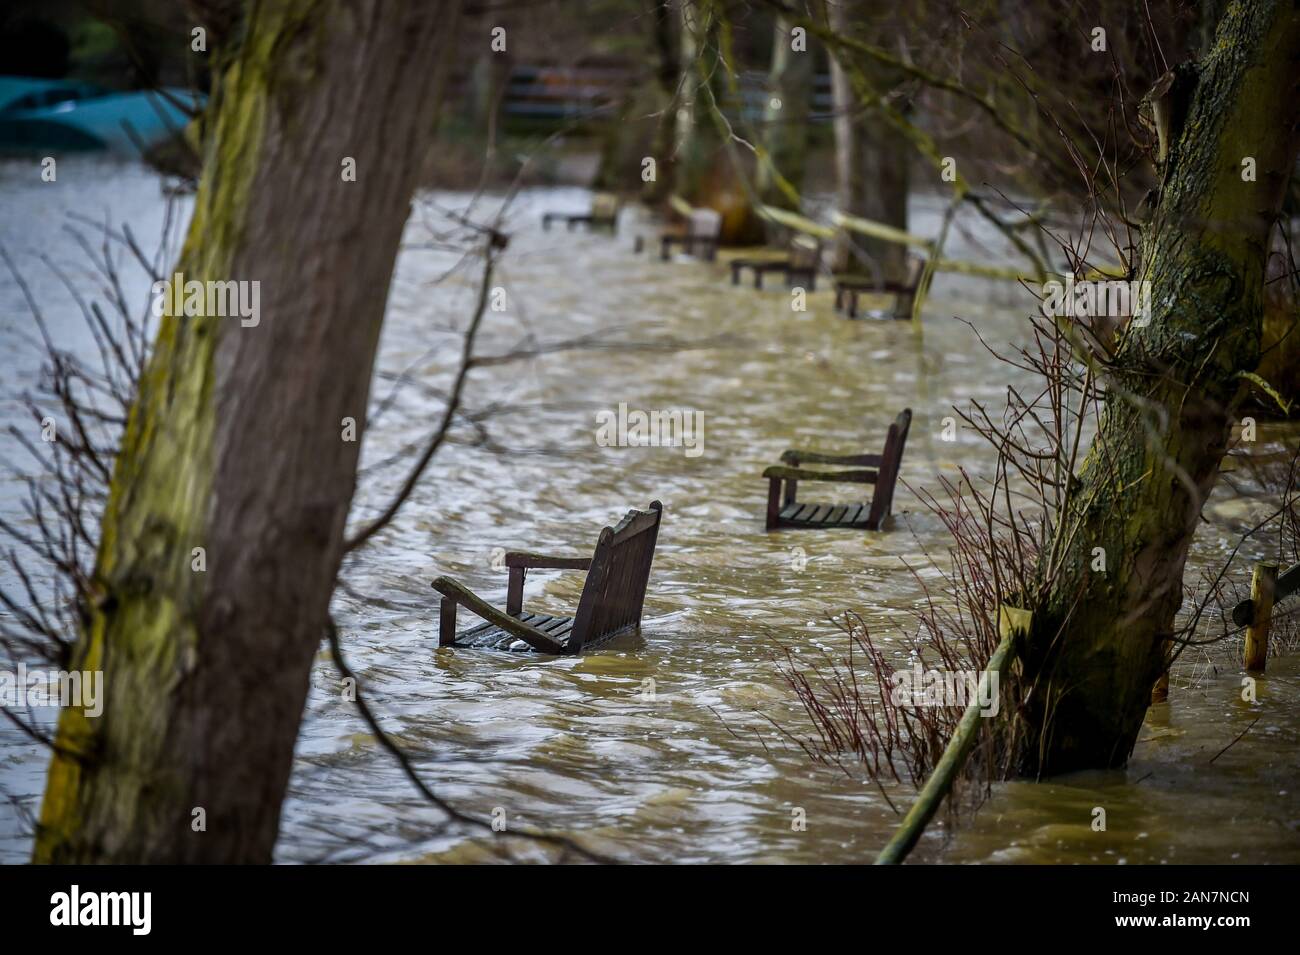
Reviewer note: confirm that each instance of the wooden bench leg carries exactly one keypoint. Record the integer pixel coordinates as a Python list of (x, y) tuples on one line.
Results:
[(794, 274), (515, 591), (735, 273), (904, 307), (446, 622), (773, 502)]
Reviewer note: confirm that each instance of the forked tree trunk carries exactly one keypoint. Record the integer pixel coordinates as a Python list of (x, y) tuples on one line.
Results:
[(1096, 648), (235, 443)]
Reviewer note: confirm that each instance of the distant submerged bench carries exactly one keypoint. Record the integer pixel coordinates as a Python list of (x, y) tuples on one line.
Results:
[(849, 287), (802, 257), (617, 574), (603, 215), (881, 470), (703, 228)]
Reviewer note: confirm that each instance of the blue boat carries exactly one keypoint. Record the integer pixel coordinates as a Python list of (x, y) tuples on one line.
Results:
[(39, 115)]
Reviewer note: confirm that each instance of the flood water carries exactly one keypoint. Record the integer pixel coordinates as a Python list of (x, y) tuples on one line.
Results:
[(689, 767)]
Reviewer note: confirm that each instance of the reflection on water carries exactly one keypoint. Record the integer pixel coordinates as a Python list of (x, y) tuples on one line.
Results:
[(687, 767)]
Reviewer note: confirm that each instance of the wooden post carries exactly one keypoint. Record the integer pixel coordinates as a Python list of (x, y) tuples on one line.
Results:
[(1013, 624), (1262, 586)]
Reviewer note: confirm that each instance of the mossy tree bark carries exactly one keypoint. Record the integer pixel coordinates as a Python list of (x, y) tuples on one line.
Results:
[(235, 443), (1096, 648)]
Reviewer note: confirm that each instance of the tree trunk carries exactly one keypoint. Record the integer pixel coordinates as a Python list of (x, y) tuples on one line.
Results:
[(656, 191), (1096, 649), (871, 164), (690, 137), (785, 120), (235, 444), (706, 173)]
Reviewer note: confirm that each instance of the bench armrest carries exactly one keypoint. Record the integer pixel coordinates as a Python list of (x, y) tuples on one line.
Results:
[(458, 593), (519, 558), (796, 457), (800, 474)]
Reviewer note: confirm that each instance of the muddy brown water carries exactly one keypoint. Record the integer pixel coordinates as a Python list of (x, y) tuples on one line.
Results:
[(688, 767)]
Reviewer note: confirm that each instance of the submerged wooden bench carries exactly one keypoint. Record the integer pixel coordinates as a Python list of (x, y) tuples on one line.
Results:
[(603, 215), (881, 470), (801, 260), (849, 287), (700, 238), (610, 604)]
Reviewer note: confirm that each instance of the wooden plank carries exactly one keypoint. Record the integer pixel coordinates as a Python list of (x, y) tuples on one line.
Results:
[(819, 515), (836, 515), (797, 458), (515, 558), (860, 476), (488, 636)]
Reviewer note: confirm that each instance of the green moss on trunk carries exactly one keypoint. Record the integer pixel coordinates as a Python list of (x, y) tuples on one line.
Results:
[(1097, 645), (233, 444)]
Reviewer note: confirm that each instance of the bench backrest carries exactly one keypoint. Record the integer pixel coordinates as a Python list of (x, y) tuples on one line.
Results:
[(620, 568), (704, 224), (891, 458), (604, 205), (805, 252)]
